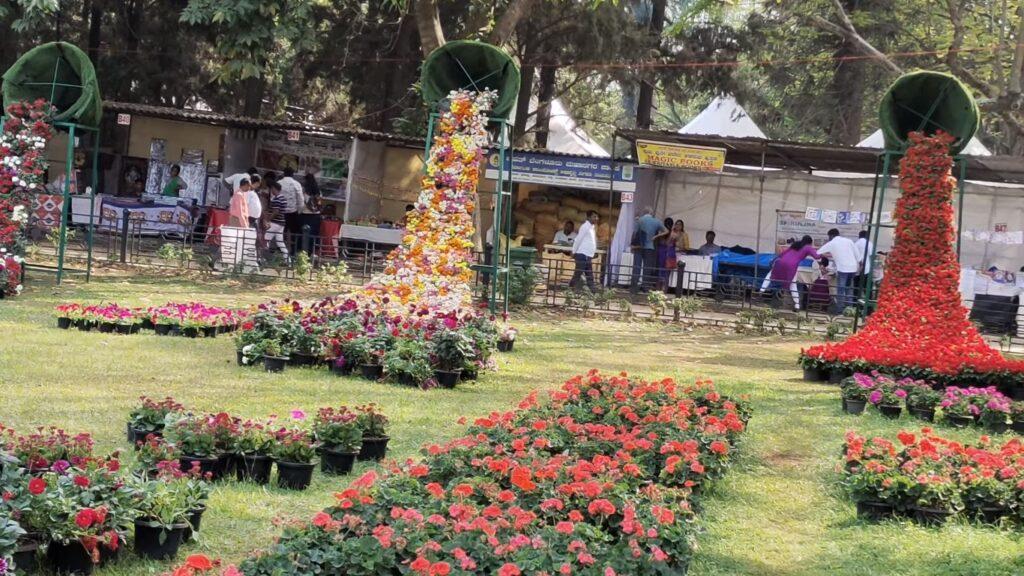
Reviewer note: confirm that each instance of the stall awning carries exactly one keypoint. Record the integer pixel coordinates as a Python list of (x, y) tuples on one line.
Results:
[(807, 157), (243, 122)]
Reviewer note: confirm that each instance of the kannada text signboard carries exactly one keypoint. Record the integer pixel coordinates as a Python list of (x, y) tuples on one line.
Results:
[(567, 171), (678, 156)]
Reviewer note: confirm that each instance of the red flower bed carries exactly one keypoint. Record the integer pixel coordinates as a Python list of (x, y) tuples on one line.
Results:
[(920, 325), (600, 480)]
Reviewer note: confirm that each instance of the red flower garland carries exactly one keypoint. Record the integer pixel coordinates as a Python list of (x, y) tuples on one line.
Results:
[(920, 322)]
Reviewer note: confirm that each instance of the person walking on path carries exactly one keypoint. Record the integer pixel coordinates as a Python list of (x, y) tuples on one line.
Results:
[(784, 269), (583, 249)]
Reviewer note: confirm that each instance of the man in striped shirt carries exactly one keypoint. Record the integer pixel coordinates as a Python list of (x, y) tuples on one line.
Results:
[(275, 230)]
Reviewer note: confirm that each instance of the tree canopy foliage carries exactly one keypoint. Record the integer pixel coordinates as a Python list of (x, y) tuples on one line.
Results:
[(805, 69)]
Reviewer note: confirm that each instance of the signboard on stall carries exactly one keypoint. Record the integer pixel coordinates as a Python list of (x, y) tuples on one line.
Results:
[(567, 171), (627, 197), (795, 224), (325, 158), (679, 156)]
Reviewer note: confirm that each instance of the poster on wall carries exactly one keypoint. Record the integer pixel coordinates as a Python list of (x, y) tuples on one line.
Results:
[(325, 158), (795, 224)]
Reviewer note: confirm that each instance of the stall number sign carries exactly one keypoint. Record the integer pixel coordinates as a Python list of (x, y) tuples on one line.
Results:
[(627, 197), (124, 119), (1000, 227), (293, 135)]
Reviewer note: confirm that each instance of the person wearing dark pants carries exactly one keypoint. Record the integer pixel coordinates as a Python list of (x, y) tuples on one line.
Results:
[(583, 250), (650, 228)]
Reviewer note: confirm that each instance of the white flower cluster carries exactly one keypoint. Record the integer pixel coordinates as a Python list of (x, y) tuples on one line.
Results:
[(19, 215)]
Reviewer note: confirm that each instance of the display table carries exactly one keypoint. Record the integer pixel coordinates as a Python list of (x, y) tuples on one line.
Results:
[(150, 219), (559, 260), (330, 231), (696, 276), (373, 235), (974, 283), (215, 219)]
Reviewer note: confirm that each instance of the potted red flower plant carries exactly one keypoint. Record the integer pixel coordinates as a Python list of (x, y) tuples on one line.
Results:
[(373, 425), (294, 453), (339, 438)]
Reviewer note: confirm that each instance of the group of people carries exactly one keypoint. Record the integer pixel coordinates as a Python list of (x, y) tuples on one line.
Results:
[(656, 246), (272, 206), (851, 259)]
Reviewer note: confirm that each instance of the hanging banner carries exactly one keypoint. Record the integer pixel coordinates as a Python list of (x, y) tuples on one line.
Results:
[(794, 224), (325, 158), (586, 173), (678, 156)]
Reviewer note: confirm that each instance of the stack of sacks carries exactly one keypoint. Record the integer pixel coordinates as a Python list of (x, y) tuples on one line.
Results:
[(539, 218)]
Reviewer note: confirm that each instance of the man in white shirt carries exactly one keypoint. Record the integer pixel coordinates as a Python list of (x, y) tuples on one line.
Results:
[(252, 200), (566, 235), (865, 249), (847, 260), (583, 249)]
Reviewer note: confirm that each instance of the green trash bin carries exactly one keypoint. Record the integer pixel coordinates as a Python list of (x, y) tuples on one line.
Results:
[(522, 257)]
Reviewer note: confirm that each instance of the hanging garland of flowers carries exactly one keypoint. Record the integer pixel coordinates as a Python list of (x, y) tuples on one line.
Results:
[(920, 328), (23, 167)]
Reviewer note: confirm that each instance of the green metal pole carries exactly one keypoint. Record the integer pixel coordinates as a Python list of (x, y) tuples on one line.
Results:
[(92, 200), (66, 208), (496, 240), (876, 218), (508, 216), (960, 205)]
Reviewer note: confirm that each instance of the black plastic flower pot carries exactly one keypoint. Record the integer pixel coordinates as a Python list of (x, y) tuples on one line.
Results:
[(135, 436), (294, 475), (210, 332), (274, 363), (998, 427), (83, 325), (240, 358), (63, 323), (147, 324), (959, 421), (470, 374), (1018, 426), (505, 345), (107, 327), (988, 514), (874, 510), (926, 414), (814, 375), (374, 448), (70, 558), (162, 329), (335, 462), (931, 516), (158, 542), (190, 332), (446, 379), (855, 406), (226, 463), (837, 375), (127, 329), (344, 370), (26, 557), (890, 411), (300, 359), (371, 371), (195, 520), (208, 465), (253, 468)]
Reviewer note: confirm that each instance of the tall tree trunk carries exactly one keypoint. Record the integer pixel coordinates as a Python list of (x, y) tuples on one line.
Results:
[(545, 93), (848, 88), (95, 28), (428, 22), (253, 97), (645, 100), (506, 25), (526, 75)]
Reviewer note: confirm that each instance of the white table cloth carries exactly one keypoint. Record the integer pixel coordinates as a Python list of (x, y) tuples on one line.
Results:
[(392, 236), (697, 274)]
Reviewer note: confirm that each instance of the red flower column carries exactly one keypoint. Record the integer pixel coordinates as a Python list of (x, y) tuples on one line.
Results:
[(920, 322)]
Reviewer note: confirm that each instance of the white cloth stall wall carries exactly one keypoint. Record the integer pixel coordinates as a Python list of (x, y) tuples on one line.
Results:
[(366, 177), (728, 204)]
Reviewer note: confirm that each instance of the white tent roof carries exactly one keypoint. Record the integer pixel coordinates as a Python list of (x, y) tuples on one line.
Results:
[(973, 148), (724, 117), (564, 135)]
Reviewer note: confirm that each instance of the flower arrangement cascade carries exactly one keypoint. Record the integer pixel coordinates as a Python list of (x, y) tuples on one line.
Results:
[(22, 169), (920, 323), (432, 264)]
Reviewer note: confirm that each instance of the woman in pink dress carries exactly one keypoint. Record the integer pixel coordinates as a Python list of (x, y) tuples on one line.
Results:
[(785, 266)]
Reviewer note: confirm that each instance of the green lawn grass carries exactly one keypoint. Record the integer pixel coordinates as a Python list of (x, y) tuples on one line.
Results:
[(777, 512)]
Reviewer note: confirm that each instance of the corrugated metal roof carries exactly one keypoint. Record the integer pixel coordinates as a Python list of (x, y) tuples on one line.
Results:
[(231, 121), (808, 157)]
